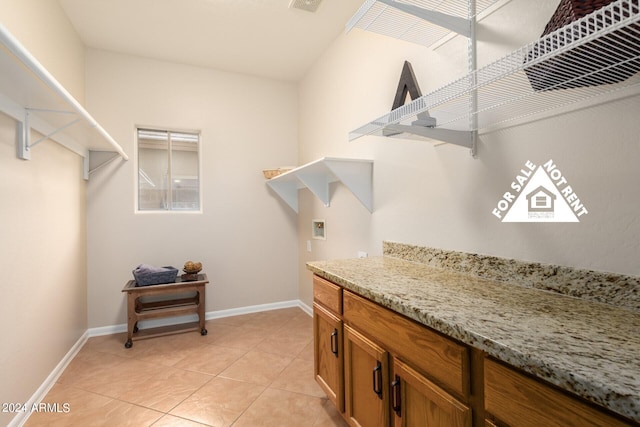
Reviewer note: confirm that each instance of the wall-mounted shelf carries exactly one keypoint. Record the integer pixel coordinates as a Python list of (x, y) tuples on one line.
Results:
[(36, 100), (418, 21), (355, 174), (584, 63)]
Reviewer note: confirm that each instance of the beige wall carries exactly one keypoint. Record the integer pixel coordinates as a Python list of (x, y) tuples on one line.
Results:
[(43, 309), (245, 237), (440, 196)]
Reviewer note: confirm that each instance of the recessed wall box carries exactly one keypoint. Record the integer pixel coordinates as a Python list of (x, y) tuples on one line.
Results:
[(318, 229)]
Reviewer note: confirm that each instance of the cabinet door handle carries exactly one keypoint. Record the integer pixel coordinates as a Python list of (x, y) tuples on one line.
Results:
[(377, 380), (334, 342), (396, 395)]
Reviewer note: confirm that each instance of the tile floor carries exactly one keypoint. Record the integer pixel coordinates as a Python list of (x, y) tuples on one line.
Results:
[(250, 370)]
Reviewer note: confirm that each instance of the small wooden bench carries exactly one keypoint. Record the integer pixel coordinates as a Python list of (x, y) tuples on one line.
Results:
[(137, 309)]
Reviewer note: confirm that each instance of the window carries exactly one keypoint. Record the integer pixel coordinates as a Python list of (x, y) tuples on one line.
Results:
[(168, 170)]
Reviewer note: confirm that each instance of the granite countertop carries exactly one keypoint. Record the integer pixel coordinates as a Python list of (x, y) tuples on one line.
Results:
[(588, 348)]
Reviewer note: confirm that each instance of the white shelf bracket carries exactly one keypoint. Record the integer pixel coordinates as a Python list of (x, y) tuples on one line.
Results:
[(287, 190), (24, 132), (85, 168), (452, 23), (50, 134), (357, 177), (23, 135), (101, 165), (455, 137), (317, 183)]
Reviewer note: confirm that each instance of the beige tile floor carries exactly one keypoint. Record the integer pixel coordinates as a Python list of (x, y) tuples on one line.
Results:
[(250, 370)]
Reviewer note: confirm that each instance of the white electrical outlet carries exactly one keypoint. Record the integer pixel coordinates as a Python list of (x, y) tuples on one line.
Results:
[(362, 254), (308, 245)]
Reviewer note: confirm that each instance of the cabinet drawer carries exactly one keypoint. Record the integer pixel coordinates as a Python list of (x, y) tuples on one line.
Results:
[(327, 294), (519, 400), (440, 358)]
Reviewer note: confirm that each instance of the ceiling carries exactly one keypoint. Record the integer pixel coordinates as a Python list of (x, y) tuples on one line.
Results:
[(258, 37)]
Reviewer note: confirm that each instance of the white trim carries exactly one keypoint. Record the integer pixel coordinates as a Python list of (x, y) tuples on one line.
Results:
[(48, 383), (304, 307), (252, 309)]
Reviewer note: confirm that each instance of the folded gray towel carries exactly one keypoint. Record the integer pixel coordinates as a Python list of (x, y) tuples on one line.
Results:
[(146, 268)]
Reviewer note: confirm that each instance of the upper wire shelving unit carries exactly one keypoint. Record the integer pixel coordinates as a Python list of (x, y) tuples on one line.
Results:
[(36, 100), (591, 60)]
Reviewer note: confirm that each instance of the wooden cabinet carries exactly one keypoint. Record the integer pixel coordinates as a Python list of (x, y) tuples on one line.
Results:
[(366, 381), (376, 388), (327, 294), (443, 359), (328, 341), (382, 369), (515, 399), (328, 365), (419, 402)]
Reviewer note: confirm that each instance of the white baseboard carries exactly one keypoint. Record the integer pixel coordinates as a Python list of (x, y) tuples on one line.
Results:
[(48, 383), (304, 307), (219, 314)]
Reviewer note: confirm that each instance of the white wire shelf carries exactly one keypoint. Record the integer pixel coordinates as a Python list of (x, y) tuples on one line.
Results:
[(417, 21), (591, 60)]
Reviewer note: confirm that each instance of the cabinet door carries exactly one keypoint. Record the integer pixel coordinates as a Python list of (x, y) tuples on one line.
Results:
[(366, 381), (416, 401), (328, 357)]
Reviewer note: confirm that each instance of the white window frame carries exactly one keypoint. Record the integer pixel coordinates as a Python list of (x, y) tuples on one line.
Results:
[(137, 174)]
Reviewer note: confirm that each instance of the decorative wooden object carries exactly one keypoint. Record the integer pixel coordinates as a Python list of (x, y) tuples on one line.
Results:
[(408, 85)]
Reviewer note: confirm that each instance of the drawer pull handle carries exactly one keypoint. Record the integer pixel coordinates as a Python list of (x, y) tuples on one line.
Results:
[(377, 380), (395, 395), (334, 342)]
